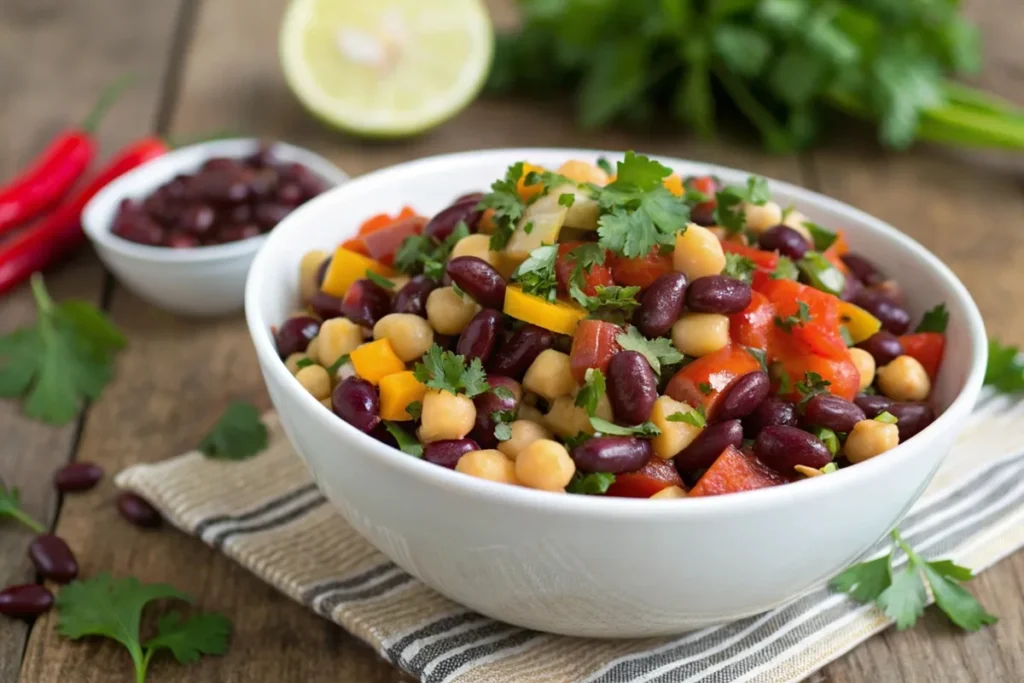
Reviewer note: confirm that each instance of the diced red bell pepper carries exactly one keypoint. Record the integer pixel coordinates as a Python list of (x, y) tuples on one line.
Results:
[(593, 346), (766, 261), (641, 271), (820, 333), (753, 325), (383, 244), (703, 382), (597, 275), (372, 225), (656, 475), (735, 471), (927, 348), (792, 362)]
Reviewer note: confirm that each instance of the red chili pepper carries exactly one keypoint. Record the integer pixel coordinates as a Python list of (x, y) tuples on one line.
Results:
[(60, 232), (56, 170)]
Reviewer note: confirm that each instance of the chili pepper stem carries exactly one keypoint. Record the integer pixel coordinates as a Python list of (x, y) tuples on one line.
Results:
[(106, 99)]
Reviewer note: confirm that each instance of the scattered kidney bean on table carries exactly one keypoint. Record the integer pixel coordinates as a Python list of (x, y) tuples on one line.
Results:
[(705, 341)]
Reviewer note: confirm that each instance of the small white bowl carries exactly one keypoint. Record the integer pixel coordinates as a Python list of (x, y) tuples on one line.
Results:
[(589, 565), (199, 281)]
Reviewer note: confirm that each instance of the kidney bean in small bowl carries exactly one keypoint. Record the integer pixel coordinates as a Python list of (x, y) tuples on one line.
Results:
[(182, 230)]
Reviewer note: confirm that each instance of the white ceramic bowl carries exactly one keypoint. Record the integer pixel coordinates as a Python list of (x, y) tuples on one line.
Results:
[(199, 281), (586, 565)]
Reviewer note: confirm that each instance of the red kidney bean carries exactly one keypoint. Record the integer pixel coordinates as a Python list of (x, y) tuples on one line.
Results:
[(76, 477), (613, 454), (883, 347), (479, 279), (356, 401), (489, 403), (469, 197), (862, 269), (894, 318), (852, 288), (222, 185), (743, 396), (772, 411), (709, 444), (290, 195), (873, 405), (661, 305), (197, 219), (440, 226), (784, 240), (718, 294), (53, 559), (515, 356), (366, 302), (294, 334), (25, 601), (269, 214), (480, 336), (911, 417), (235, 233), (782, 448), (833, 412), (889, 288), (412, 298), (703, 214), (326, 306), (180, 241), (138, 511), (447, 453), (632, 387)]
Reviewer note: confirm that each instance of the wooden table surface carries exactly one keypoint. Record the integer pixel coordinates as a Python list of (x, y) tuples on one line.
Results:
[(207, 66)]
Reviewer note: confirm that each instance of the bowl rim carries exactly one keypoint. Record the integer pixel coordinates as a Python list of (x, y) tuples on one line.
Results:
[(601, 506), (98, 215)]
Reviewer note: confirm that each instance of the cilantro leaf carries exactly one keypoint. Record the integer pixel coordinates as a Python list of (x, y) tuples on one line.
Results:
[(112, 608), (406, 442), (583, 258), (379, 279), (904, 600), (959, 605), (604, 165), (1005, 370), (613, 303), (238, 435), (760, 356), (694, 416), (865, 581), (414, 409), (63, 360), (10, 507), (640, 171), (566, 199), (802, 316), (446, 371), (422, 254), (812, 385), (503, 392), (823, 238), (594, 483), (730, 201), (536, 274), (935, 320), (590, 394), (508, 206), (739, 267), (656, 351), (785, 270), (644, 429), (502, 431)]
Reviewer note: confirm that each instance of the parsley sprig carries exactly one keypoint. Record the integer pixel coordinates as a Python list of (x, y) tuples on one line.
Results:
[(10, 507), (645, 430), (935, 320), (739, 267), (238, 435), (583, 258), (798, 319), (594, 483), (590, 393), (536, 275), (612, 303), (407, 443), (424, 254), (694, 417), (730, 201), (903, 596), (812, 385), (508, 206), (658, 352), (447, 371)]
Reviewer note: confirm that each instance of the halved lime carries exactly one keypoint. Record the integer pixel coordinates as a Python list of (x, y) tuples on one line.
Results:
[(386, 67)]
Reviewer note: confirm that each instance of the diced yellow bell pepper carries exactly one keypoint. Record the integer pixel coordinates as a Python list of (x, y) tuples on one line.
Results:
[(674, 184), (556, 316), (858, 322), (396, 392), (347, 267), (375, 360), (528, 192)]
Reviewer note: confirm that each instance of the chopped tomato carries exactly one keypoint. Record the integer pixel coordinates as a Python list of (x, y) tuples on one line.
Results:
[(593, 346), (597, 275), (790, 365), (656, 475), (819, 332), (703, 382), (753, 325), (735, 471), (643, 270), (374, 224), (384, 243), (927, 348)]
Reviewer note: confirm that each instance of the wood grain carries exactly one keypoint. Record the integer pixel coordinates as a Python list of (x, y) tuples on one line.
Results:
[(40, 40)]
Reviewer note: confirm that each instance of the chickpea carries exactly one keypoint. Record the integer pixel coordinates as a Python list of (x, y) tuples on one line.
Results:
[(796, 220), (760, 218), (865, 364), (530, 412), (411, 336), (549, 375), (489, 464), (524, 433), (292, 362), (670, 492), (448, 312), (313, 349), (337, 337), (699, 334), (582, 172), (445, 416), (308, 267), (870, 438), (675, 436), (566, 419), (327, 403), (698, 253), (476, 245), (545, 465), (904, 379), (315, 380)]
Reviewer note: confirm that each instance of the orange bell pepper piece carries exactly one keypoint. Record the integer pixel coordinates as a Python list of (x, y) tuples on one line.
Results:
[(735, 471)]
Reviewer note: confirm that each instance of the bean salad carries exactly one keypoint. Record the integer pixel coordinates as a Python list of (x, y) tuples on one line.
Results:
[(614, 331)]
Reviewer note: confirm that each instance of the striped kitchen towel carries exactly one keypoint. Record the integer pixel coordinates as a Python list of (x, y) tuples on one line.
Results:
[(268, 515)]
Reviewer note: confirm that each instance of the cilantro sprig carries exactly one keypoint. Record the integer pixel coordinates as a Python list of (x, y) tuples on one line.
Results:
[(594, 483), (10, 507), (645, 430), (612, 303), (658, 352), (935, 320), (1005, 370), (731, 199), (903, 596), (238, 435), (694, 417), (812, 385), (536, 275), (798, 319), (424, 254), (406, 442), (583, 258), (739, 267), (590, 393), (508, 206), (112, 608), (447, 371), (63, 360)]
